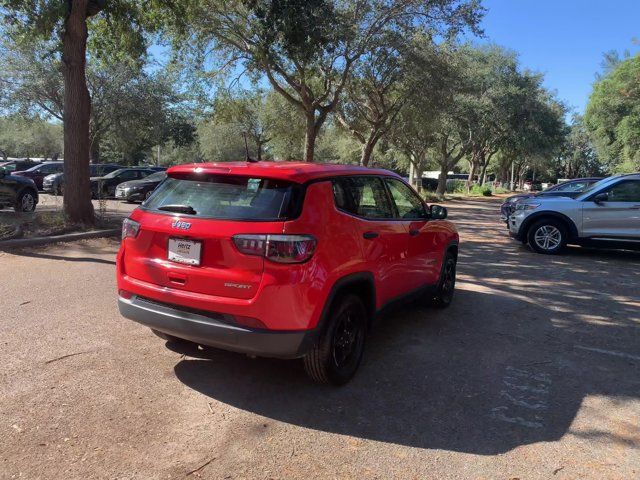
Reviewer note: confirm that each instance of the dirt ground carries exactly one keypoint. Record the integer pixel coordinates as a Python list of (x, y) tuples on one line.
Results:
[(533, 372)]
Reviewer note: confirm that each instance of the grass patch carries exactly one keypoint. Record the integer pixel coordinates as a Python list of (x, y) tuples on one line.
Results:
[(45, 224), (432, 197)]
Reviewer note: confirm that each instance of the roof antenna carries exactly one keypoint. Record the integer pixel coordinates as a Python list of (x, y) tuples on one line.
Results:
[(247, 157)]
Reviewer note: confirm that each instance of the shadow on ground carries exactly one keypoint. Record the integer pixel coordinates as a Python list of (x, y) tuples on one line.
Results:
[(75, 252), (508, 364)]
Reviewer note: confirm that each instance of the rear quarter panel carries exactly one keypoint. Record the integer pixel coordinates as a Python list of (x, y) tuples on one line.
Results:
[(338, 254)]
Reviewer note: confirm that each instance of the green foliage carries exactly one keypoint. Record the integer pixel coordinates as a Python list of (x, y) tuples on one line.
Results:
[(613, 116), (460, 187), (578, 157), (116, 27), (248, 112), (220, 142), (456, 186), (306, 49), (287, 127), (29, 137), (131, 110), (483, 190), (304, 30)]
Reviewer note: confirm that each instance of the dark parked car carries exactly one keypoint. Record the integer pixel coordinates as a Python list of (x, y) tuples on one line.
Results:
[(570, 188), (17, 192), (105, 186), (430, 184), (18, 165), (139, 190), (55, 183), (40, 171)]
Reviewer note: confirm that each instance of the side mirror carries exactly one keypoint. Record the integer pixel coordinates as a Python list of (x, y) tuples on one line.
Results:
[(438, 212), (601, 197), (3, 172)]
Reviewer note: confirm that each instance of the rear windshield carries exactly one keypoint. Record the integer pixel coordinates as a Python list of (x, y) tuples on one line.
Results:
[(226, 197)]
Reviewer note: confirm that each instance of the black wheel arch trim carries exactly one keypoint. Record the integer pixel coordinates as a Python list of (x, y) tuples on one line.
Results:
[(340, 286), (454, 245), (531, 219)]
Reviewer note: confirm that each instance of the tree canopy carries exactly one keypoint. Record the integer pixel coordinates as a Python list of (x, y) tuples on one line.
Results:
[(306, 50), (613, 116)]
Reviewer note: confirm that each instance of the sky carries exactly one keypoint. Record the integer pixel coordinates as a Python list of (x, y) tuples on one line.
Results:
[(564, 39)]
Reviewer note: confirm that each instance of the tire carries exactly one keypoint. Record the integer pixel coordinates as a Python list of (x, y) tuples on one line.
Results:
[(335, 358), (26, 202), (548, 236), (446, 283)]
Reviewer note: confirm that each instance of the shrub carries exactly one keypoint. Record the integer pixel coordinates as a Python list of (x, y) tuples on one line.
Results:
[(456, 186), (431, 197), (485, 190)]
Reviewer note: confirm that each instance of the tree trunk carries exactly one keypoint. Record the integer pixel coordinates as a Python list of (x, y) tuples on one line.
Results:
[(367, 149), (95, 150), (472, 172), (77, 113), (483, 173), (442, 179), (310, 136)]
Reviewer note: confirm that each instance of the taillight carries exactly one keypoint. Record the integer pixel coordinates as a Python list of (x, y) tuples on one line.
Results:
[(278, 248), (130, 228)]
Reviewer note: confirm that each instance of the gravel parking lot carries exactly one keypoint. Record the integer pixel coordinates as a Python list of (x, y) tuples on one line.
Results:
[(112, 207), (533, 372)]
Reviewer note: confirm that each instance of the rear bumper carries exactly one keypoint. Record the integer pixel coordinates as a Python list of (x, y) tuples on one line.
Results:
[(211, 331)]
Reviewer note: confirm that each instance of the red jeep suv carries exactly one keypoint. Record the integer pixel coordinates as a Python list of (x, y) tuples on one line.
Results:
[(281, 259)]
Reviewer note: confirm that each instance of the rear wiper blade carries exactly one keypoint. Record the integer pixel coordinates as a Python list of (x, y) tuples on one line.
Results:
[(186, 209)]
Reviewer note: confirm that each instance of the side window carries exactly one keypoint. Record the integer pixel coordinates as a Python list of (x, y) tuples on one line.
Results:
[(574, 187), (628, 191), (128, 175), (104, 170), (362, 196), (408, 204)]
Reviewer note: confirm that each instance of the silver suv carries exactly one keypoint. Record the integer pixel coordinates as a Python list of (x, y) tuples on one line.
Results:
[(607, 214)]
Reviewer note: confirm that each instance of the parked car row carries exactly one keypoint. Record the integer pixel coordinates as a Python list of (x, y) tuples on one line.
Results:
[(19, 188), (105, 186), (39, 171), (570, 188), (54, 183), (139, 190), (604, 213), (18, 165)]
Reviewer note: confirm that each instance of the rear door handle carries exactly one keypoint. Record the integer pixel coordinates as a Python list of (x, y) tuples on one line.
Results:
[(370, 235), (413, 233), (635, 207)]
